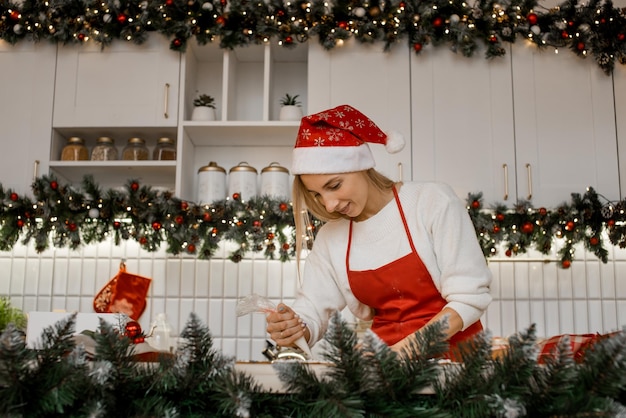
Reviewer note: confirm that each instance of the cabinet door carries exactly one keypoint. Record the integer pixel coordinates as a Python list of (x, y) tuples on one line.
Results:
[(121, 85), (375, 82), (462, 115), (619, 89), (26, 117), (564, 126)]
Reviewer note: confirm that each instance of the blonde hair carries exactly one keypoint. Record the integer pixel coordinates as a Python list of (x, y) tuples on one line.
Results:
[(305, 205)]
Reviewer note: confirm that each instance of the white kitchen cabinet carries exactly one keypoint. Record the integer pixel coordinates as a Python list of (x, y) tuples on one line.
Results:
[(122, 85), (122, 91), (247, 84), (375, 82), (565, 131), (26, 118), (528, 125), (462, 122)]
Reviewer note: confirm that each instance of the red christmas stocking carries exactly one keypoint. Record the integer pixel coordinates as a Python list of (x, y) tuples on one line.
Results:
[(125, 293)]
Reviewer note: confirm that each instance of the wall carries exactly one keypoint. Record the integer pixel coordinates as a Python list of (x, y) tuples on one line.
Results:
[(588, 297)]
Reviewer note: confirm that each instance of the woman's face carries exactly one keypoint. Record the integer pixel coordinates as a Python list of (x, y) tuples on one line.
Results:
[(345, 194)]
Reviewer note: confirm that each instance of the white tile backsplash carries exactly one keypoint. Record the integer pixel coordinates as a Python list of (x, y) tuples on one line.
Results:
[(530, 288)]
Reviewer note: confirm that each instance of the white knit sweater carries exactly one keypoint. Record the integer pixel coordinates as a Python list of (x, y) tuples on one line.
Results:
[(444, 238)]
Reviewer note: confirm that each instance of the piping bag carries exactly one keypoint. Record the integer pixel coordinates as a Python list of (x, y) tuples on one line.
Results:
[(257, 303)]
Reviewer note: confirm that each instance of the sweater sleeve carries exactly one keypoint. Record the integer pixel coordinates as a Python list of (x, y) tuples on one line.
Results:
[(464, 275), (320, 295)]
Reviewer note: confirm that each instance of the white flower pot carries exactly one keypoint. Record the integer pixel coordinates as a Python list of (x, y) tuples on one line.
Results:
[(290, 113), (203, 113)]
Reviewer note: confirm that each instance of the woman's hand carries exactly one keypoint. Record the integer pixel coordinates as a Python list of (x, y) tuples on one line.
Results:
[(285, 326)]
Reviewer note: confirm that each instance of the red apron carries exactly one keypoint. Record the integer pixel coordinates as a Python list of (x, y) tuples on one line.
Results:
[(402, 293)]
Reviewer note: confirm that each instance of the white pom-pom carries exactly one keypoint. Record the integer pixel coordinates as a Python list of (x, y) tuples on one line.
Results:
[(395, 142)]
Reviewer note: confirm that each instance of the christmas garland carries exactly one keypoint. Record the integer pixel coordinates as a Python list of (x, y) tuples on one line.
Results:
[(61, 378), (593, 28), (64, 216)]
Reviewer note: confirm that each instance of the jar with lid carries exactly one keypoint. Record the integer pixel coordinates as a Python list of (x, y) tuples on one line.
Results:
[(275, 181), (242, 180), (165, 149), (75, 150), (211, 183), (135, 150), (104, 150)]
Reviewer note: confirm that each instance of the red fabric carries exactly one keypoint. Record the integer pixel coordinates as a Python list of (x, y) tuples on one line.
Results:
[(342, 126), (402, 293), (577, 342), (125, 293)]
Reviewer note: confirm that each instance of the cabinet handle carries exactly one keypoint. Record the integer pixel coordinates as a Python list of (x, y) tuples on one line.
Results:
[(505, 168), (167, 99), (35, 170), (530, 181), (399, 171)]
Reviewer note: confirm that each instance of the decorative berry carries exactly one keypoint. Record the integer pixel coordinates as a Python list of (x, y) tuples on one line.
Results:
[(122, 18), (72, 226), (508, 252), (143, 240), (179, 219), (270, 236), (417, 46), (177, 42), (475, 204), (132, 329), (500, 217), (236, 196), (543, 211), (570, 225), (206, 217), (14, 197), (134, 186), (580, 46), (156, 225), (286, 246), (139, 339), (496, 229), (566, 264), (283, 207), (20, 223), (528, 227), (437, 22), (564, 34), (54, 185), (191, 248), (532, 18), (594, 241)]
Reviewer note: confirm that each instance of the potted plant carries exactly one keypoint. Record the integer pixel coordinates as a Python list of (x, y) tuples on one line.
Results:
[(204, 108), (290, 108)]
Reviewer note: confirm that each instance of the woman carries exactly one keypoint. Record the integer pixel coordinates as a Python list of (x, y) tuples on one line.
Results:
[(404, 255)]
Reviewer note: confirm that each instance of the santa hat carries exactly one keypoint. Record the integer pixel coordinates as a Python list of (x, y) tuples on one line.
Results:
[(336, 141)]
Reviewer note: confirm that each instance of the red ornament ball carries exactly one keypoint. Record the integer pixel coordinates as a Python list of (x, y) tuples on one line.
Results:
[(143, 240), (493, 39), (402, 5), (156, 225), (610, 222), (177, 42), (256, 223), (122, 18), (543, 211), (283, 207), (72, 227), (500, 217), (14, 197), (134, 186), (191, 248), (223, 2), (580, 46), (475, 204), (528, 227), (117, 224), (437, 22), (417, 47), (236, 196), (179, 220), (214, 231), (286, 247), (564, 34), (532, 18), (81, 37), (184, 205), (594, 241), (169, 2), (288, 40), (570, 225), (54, 185), (508, 253), (15, 15), (270, 236), (20, 223), (621, 37), (343, 25), (220, 20), (139, 339), (206, 216), (496, 229), (132, 329), (566, 264)]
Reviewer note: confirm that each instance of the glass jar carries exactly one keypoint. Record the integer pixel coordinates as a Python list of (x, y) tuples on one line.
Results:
[(75, 150), (165, 149), (104, 150), (135, 150)]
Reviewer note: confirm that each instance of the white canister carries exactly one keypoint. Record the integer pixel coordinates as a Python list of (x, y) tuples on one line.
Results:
[(211, 183), (275, 181), (242, 180)]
